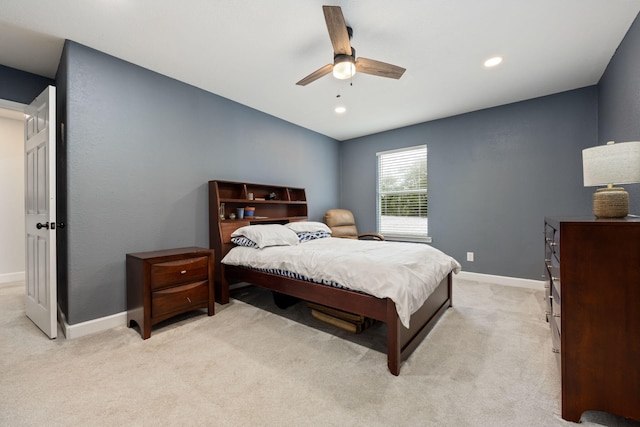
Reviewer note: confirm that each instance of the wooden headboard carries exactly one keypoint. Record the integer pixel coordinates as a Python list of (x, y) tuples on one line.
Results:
[(273, 205)]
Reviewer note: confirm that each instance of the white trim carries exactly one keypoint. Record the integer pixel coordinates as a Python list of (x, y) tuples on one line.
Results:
[(12, 105), (18, 276), (91, 326), (501, 280)]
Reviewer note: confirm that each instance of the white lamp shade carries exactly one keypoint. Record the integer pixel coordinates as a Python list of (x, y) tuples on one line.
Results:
[(611, 164)]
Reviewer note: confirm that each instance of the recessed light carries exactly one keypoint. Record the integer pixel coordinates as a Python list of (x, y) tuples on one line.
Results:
[(340, 109), (492, 62)]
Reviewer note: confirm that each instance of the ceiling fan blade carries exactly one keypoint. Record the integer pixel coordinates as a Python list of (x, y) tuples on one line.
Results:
[(316, 75), (337, 28), (377, 68)]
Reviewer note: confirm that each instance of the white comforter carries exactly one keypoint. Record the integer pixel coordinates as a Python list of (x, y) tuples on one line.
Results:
[(405, 272)]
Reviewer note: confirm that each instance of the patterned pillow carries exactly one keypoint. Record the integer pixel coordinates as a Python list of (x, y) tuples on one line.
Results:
[(267, 235), (243, 241), (307, 226), (306, 236)]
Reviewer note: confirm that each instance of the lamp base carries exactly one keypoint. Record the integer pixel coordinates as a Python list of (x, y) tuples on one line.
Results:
[(610, 203)]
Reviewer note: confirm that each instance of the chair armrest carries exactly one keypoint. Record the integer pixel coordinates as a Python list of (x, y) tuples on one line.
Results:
[(370, 236)]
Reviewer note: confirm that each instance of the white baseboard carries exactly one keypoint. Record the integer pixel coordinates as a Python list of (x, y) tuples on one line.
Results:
[(12, 277), (91, 326), (120, 319), (501, 280)]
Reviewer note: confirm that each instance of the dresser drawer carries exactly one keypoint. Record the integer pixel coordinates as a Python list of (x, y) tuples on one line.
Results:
[(553, 274), (554, 279), (549, 231), (556, 307), (553, 268), (184, 270), (547, 299), (553, 250), (555, 341), (178, 298), (552, 243), (556, 294)]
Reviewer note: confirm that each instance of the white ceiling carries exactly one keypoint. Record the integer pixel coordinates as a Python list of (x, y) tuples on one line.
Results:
[(254, 52)]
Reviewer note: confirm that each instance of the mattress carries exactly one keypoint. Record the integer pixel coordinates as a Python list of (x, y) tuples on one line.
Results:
[(407, 273)]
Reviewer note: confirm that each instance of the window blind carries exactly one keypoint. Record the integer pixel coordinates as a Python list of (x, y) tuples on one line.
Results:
[(402, 194)]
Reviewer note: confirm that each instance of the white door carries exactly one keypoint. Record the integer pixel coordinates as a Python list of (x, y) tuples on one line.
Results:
[(40, 212)]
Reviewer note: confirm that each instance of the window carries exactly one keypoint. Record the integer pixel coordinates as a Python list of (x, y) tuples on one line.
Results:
[(402, 194)]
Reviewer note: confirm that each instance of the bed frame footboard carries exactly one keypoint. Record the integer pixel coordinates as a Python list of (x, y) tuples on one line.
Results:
[(401, 342)]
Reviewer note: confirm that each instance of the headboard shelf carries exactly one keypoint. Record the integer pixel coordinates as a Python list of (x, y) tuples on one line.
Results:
[(271, 202), (260, 219), (274, 204)]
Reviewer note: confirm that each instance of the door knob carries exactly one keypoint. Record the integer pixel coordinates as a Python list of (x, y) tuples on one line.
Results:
[(41, 225)]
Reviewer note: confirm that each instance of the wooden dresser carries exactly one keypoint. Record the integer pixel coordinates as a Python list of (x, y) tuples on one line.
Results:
[(593, 308), (162, 284)]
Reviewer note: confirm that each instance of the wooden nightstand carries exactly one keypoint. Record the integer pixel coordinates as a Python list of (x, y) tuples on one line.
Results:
[(162, 284)]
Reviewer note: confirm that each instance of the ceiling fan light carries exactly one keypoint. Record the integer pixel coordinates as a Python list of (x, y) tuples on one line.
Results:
[(344, 67)]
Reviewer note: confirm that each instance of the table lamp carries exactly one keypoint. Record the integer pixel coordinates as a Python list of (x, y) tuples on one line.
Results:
[(607, 165)]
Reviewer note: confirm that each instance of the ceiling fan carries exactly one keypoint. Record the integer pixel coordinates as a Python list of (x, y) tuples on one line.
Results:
[(345, 64)]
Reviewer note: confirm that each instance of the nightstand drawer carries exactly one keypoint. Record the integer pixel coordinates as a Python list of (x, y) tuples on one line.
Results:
[(178, 298), (184, 270)]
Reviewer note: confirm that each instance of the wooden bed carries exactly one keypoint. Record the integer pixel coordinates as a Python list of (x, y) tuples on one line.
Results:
[(401, 342)]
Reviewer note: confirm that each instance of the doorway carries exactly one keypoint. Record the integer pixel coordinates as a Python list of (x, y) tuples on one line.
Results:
[(12, 222)]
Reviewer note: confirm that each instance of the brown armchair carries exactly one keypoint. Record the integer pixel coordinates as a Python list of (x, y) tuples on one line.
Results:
[(343, 224)]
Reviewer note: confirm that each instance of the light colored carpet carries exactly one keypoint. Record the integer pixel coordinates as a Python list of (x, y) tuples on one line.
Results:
[(488, 362)]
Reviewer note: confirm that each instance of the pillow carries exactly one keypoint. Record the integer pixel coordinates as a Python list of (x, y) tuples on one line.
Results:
[(243, 241), (312, 235), (308, 226), (268, 235)]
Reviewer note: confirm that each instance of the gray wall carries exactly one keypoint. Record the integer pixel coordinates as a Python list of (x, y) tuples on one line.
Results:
[(20, 86), (493, 176), (140, 148), (619, 101)]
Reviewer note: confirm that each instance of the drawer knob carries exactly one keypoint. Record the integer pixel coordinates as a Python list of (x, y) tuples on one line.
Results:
[(188, 299), (556, 315), (555, 350), (183, 271)]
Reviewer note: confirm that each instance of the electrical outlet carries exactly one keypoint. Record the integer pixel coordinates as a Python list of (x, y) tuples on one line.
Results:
[(470, 256)]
